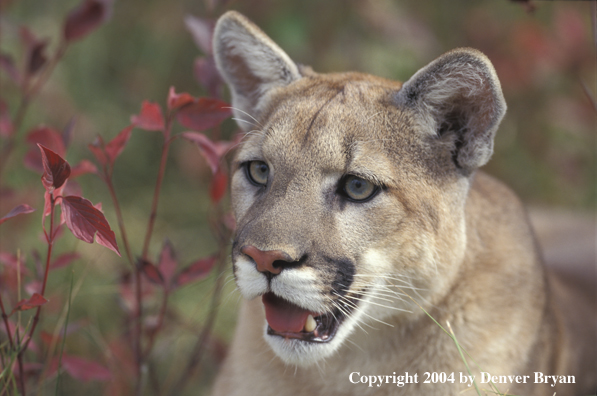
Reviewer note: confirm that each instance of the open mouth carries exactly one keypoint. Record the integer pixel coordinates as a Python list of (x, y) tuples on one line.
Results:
[(293, 322)]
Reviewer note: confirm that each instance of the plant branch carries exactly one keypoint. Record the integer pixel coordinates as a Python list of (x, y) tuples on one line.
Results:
[(158, 187), (152, 216), (111, 189), (5, 318), (43, 290), (202, 341), (29, 93), (160, 322)]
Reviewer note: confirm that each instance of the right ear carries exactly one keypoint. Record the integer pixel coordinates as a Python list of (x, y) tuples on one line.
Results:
[(252, 65)]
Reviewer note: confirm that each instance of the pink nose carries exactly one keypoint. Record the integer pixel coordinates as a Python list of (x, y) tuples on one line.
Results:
[(266, 261)]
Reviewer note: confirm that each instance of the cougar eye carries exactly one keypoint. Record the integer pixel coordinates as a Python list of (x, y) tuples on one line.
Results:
[(258, 171), (358, 189)]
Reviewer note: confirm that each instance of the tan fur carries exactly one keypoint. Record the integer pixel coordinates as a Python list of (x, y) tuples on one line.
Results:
[(450, 237)]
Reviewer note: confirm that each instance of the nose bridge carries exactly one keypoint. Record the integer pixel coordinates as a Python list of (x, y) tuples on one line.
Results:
[(285, 220)]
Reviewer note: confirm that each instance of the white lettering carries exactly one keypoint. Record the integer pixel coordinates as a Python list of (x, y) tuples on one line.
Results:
[(464, 379)]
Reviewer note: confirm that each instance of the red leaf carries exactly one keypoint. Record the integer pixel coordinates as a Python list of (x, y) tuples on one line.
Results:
[(194, 272), (207, 74), (150, 119), (56, 169), (47, 205), (211, 151), (85, 370), (217, 188), (116, 145), (153, 274), (202, 31), (203, 114), (64, 260), (37, 300), (178, 100), (35, 56), (87, 17), (47, 137), (21, 209), (82, 168), (98, 150), (84, 220), (6, 127)]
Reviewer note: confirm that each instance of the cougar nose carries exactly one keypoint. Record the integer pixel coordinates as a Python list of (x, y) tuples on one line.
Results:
[(272, 261)]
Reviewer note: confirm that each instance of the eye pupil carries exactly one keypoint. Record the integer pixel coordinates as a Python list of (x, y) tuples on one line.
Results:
[(358, 189), (258, 172)]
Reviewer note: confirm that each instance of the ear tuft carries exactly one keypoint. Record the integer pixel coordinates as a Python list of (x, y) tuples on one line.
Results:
[(458, 96), (252, 65)]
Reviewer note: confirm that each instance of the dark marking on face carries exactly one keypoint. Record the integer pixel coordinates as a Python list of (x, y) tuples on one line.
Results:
[(317, 113), (344, 271)]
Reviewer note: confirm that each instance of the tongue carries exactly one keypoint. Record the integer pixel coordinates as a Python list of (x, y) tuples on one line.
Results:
[(283, 316)]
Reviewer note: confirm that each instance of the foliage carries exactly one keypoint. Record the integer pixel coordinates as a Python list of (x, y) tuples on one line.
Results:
[(145, 322), (30, 360)]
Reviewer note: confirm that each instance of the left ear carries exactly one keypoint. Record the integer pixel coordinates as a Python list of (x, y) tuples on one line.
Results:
[(252, 65), (458, 96)]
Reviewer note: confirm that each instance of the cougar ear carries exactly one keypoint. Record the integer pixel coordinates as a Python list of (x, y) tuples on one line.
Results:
[(251, 63), (458, 97)]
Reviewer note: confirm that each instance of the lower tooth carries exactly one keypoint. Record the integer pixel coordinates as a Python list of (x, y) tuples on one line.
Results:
[(310, 324)]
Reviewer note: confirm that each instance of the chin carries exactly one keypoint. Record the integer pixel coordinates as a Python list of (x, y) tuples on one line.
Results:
[(308, 351)]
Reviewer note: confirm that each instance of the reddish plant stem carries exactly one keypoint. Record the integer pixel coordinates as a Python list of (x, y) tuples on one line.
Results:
[(160, 322), (138, 331), (29, 93), (203, 339), (21, 375), (152, 216), (158, 187), (50, 240), (138, 290), (125, 241), (5, 318)]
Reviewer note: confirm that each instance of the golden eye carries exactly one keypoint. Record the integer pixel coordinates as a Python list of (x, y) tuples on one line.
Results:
[(258, 172), (358, 189)]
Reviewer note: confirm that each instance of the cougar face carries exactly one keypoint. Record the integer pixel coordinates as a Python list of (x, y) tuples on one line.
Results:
[(321, 202), (360, 212), (348, 189)]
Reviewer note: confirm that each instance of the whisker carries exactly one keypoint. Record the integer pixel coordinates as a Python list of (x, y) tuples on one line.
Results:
[(343, 310), (379, 305), (362, 311), (245, 121), (244, 112)]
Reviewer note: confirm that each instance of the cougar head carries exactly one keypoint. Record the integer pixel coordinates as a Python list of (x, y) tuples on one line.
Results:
[(348, 189)]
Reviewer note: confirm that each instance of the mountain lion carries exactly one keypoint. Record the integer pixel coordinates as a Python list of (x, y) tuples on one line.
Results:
[(361, 214)]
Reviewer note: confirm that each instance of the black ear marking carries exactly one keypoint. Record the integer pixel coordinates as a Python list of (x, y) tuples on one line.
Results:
[(458, 97)]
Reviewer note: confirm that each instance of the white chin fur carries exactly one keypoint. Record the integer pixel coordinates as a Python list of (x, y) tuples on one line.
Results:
[(303, 353), (296, 286)]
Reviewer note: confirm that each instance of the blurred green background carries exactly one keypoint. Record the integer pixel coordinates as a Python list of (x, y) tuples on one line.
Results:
[(545, 148)]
